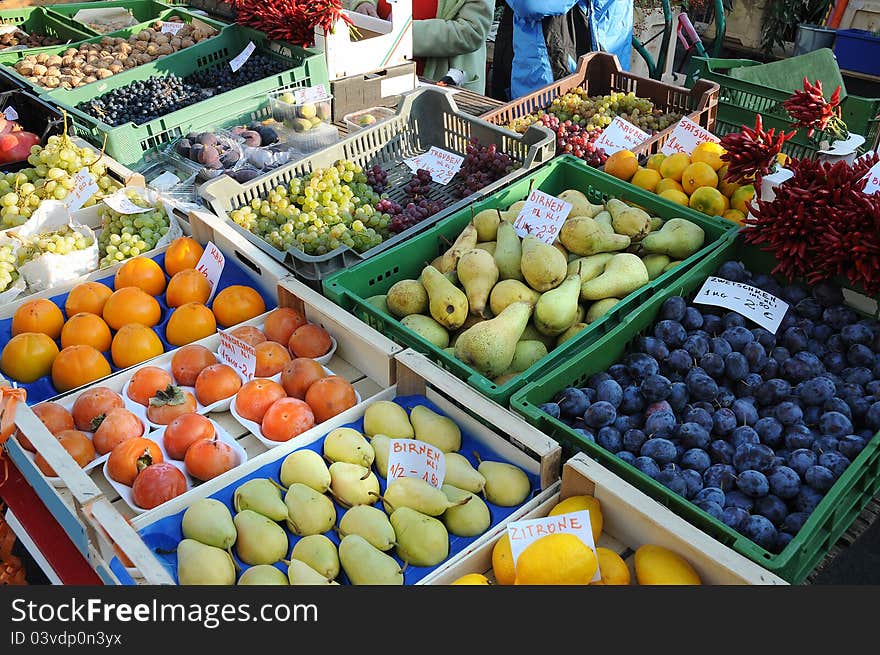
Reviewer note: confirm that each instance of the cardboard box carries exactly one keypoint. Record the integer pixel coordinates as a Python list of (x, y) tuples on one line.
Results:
[(379, 88)]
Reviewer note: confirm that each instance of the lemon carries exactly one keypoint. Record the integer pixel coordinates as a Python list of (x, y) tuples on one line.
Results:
[(646, 178), (557, 559), (623, 164), (734, 215), (697, 175), (655, 160), (676, 196), (612, 568), (579, 504), (673, 166), (709, 153), (743, 195), (667, 183), (502, 561), (727, 188), (472, 579), (709, 200), (656, 565)]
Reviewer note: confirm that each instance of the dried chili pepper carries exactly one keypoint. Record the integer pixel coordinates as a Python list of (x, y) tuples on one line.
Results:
[(293, 21), (810, 109), (751, 153)]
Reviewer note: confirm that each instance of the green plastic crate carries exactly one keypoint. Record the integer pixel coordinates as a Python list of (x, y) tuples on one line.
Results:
[(39, 20), (130, 143), (838, 509), (142, 10), (739, 102), (350, 288)]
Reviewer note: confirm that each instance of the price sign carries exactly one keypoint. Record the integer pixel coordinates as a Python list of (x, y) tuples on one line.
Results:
[(169, 27), (84, 187), (523, 533), (620, 135), (211, 266), (238, 61), (756, 304), (123, 204), (441, 164), (410, 458), (10, 113), (310, 94), (239, 355), (542, 216), (686, 136), (873, 179)]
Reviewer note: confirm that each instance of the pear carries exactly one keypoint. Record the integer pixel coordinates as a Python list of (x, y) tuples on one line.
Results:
[(671, 265), (309, 512), (561, 249), (262, 574), (369, 522), (623, 275), (319, 552), (600, 308), (417, 494), (557, 309), (677, 238), (589, 267), (525, 355), (352, 484), (452, 276), (427, 328), (580, 204), (465, 241), (469, 519), (348, 445), (489, 347), (604, 221), (515, 209), (260, 540), (200, 564), (570, 332), (300, 573), (581, 314), (656, 223), (407, 297), (364, 564), (306, 467), (437, 430), (486, 221), (381, 303), (501, 380), (209, 522), (388, 418), (381, 446), (477, 273), (543, 266), (531, 334), (488, 246), (655, 264), (508, 252), (584, 236), (262, 496), (508, 291), (506, 484), (460, 474), (422, 540), (631, 221), (447, 303)]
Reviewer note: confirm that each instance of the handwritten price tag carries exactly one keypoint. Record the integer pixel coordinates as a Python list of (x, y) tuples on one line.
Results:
[(211, 266), (10, 113), (84, 187), (410, 458), (169, 27), (441, 164), (123, 204), (620, 135), (873, 177), (523, 533), (239, 355), (686, 136), (238, 61), (310, 94), (756, 304), (542, 216)]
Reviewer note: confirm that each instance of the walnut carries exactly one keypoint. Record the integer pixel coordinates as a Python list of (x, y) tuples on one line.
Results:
[(88, 69), (186, 43), (143, 36), (42, 58), (176, 42), (165, 49), (104, 73), (53, 60), (152, 49), (40, 70), (25, 69), (51, 82), (89, 79)]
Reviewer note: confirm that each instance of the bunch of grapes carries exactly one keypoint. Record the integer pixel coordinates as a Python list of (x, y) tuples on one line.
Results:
[(128, 235), (62, 241), (377, 178), (573, 139), (8, 269), (415, 212), (482, 165)]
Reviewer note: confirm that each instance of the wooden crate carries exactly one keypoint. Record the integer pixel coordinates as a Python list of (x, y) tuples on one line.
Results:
[(631, 519), (512, 439)]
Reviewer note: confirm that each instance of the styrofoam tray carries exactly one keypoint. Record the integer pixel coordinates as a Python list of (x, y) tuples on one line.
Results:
[(323, 359)]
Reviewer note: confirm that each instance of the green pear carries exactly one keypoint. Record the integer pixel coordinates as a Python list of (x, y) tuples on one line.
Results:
[(300, 573), (388, 418), (200, 564), (469, 519), (209, 522), (604, 220), (515, 209), (422, 540), (508, 252), (656, 223), (407, 297), (260, 540), (486, 221), (452, 276), (557, 309), (489, 347), (352, 484), (309, 512), (599, 308), (437, 430), (460, 474), (416, 494), (525, 355), (381, 303), (306, 467), (671, 265), (677, 238), (427, 328), (581, 313), (655, 264), (465, 241), (580, 204), (543, 266), (509, 291), (623, 275), (506, 484), (319, 552), (488, 246), (531, 334), (447, 303), (570, 332), (631, 221), (477, 273), (589, 267), (369, 522), (262, 496), (364, 564), (262, 574), (584, 236), (381, 446), (348, 445)]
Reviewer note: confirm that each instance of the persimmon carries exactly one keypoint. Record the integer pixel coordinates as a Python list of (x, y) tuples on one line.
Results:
[(330, 396), (76, 444), (131, 457), (190, 360), (117, 426), (217, 382), (94, 403), (87, 297), (187, 286), (85, 329), (310, 340), (271, 358), (135, 343), (54, 417), (281, 323), (209, 458), (182, 253), (248, 334), (299, 374), (287, 418), (131, 305), (78, 365), (28, 356), (184, 431), (141, 272), (255, 397), (188, 323), (170, 403), (157, 484), (38, 315), (236, 304)]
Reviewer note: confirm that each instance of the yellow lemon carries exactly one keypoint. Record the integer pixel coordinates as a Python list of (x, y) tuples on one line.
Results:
[(622, 165), (612, 568), (502, 561), (655, 160), (709, 201), (579, 504), (673, 166), (743, 195), (557, 559), (646, 178), (783, 159), (667, 183), (698, 175), (472, 579), (734, 215), (709, 153), (656, 565), (676, 196), (727, 188)]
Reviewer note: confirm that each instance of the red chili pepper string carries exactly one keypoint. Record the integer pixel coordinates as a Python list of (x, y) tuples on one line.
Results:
[(752, 153), (810, 109), (293, 21)]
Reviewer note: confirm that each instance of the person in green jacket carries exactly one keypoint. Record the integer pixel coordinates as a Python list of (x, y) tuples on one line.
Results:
[(447, 34)]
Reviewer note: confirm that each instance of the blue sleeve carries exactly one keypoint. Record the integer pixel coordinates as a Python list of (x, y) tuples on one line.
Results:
[(536, 9)]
